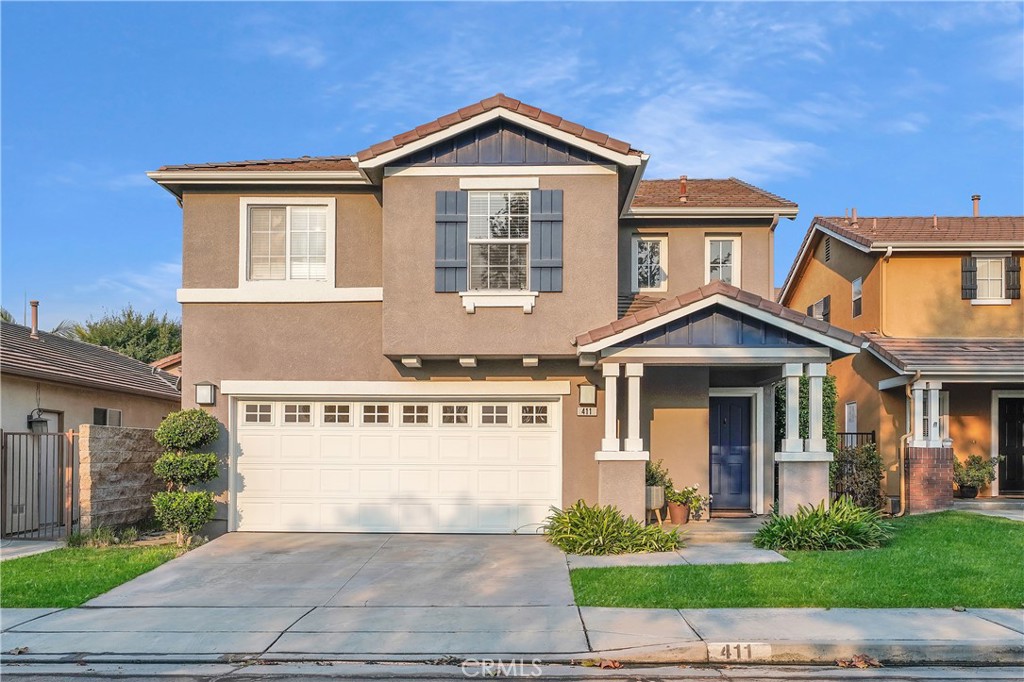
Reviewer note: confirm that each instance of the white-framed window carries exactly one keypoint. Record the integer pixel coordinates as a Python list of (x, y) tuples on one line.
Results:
[(821, 310), (287, 240), (649, 261), (258, 413), (991, 278), (499, 240), (335, 413), (454, 415), (851, 417), (298, 413), (106, 416), (943, 415), (376, 414), (533, 415), (494, 415), (857, 290), (416, 415), (722, 259)]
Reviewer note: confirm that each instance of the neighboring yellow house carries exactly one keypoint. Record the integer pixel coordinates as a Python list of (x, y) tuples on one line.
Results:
[(939, 300)]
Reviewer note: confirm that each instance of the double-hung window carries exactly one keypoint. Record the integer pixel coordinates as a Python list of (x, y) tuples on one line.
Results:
[(650, 263), (499, 241), (991, 278), (722, 259), (287, 239), (858, 293)]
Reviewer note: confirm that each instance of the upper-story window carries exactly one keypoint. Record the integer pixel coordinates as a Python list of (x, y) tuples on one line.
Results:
[(287, 239), (650, 263), (858, 293), (722, 259), (499, 240), (990, 278)]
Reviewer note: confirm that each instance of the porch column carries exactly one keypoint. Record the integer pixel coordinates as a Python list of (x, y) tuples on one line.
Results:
[(610, 372), (634, 443), (934, 415), (815, 403), (792, 442), (803, 465), (919, 419)]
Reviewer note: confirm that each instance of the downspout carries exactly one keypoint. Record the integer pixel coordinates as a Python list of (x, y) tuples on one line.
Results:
[(881, 293), (903, 442)]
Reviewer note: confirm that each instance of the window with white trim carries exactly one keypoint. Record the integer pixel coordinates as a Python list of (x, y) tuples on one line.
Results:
[(649, 263), (376, 414), (288, 242), (298, 413), (494, 415), (499, 241), (857, 293), (851, 417), (943, 415), (258, 413), (534, 415), (991, 278), (337, 414), (416, 415), (722, 259), (454, 415)]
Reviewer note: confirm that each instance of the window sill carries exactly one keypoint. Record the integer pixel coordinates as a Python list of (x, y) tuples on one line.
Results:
[(471, 300), (990, 301)]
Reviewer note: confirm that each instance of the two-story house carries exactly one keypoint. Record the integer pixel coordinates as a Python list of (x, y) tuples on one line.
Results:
[(488, 315), (939, 300)]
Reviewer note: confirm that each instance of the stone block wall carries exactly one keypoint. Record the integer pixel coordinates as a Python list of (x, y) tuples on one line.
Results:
[(929, 479), (116, 479)]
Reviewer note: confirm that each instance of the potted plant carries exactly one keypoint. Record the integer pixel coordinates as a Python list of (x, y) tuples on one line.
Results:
[(657, 482), (973, 473), (681, 503)]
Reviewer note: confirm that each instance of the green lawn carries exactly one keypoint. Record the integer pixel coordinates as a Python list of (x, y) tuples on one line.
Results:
[(72, 576), (937, 560)]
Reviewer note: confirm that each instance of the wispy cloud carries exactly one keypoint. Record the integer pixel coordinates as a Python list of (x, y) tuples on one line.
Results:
[(911, 123), (97, 175), (270, 35), (306, 51), (152, 287)]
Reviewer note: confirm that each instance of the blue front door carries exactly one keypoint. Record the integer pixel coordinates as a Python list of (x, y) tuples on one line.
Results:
[(730, 426)]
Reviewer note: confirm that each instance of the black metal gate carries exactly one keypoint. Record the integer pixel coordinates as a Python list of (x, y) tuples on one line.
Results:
[(39, 491)]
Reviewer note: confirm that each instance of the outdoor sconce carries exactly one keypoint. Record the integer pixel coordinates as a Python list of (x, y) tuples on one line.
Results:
[(206, 393), (588, 395), (37, 422)]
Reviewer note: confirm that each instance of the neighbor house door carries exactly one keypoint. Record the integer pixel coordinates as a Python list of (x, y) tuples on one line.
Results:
[(1011, 445), (730, 438)]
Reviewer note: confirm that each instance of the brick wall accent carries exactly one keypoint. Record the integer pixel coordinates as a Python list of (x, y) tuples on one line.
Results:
[(929, 479), (116, 475)]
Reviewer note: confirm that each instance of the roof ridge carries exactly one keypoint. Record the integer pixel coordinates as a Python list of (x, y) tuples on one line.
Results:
[(256, 162), (762, 190)]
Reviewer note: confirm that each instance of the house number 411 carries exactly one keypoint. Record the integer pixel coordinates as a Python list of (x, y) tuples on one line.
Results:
[(738, 651)]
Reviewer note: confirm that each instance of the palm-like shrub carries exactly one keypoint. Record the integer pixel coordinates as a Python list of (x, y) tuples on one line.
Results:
[(597, 530), (844, 525)]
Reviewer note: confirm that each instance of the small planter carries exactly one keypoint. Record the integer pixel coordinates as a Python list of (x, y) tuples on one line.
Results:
[(678, 514), (655, 497), (968, 492)]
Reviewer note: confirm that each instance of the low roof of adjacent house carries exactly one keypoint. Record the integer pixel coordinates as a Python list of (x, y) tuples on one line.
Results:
[(949, 355), (169, 361), (60, 360), (302, 163)]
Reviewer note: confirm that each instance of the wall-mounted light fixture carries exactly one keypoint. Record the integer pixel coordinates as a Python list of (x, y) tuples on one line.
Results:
[(206, 393), (37, 423), (588, 395)]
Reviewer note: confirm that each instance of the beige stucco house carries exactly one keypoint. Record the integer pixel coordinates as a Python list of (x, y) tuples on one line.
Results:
[(490, 314)]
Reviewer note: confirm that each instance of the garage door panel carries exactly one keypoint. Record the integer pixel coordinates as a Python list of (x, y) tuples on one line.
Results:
[(299, 515), (415, 448), (374, 481), (254, 446), (298, 481), (378, 516), (417, 516), (375, 447), (339, 516), (258, 515), (302, 448), (535, 449), (497, 517), (337, 481), (454, 448), (454, 481), (495, 448), (535, 483), (456, 518), (422, 482), (257, 480), (496, 482), (337, 448)]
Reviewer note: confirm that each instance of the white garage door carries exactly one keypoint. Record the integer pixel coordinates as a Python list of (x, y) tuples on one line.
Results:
[(382, 466)]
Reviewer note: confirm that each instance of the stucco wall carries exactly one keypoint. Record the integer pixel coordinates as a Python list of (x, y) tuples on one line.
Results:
[(674, 419), (116, 475), (75, 404), (835, 278)]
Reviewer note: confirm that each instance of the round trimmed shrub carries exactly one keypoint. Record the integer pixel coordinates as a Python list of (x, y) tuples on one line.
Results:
[(187, 430), (184, 513), (184, 469)]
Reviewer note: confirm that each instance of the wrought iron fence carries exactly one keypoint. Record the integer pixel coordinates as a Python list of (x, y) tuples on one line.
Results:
[(39, 474), (845, 472), (854, 439)]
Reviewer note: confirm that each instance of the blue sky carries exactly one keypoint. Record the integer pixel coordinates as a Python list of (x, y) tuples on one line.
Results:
[(897, 109)]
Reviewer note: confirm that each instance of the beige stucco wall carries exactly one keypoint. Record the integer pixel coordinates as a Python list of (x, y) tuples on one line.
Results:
[(686, 254), (418, 321), (674, 419), (75, 404)]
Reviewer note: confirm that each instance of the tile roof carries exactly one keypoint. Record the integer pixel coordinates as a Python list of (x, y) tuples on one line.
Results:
[(496, 102), (706, 193), (304, 163), (715, 288), (869, 230), (172, 359), (634, 303), (949, 354), (54, 358)]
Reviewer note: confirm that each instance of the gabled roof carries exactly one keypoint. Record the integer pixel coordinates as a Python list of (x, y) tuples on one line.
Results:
[(499, 101), (950, 355), (303, 163), (169, 361), (704, 193), (670, 308), (54, 358)]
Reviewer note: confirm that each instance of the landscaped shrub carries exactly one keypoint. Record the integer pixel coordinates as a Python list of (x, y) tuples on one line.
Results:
[(597, 530), (187, 430), (843, 526), (657, 475), (185, 469), (828, 411), (184, 513), (857, 472)]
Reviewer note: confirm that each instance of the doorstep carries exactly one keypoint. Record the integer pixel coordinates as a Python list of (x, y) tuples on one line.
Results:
[(719, 529)]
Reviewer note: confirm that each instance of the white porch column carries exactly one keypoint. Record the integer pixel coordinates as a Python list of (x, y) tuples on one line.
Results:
[(610, 372), (816, 439), (934, 418), (919, 417), (792, 442), (634, 443)]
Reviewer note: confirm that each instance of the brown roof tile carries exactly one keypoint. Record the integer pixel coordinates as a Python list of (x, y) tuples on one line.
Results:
[(870, 230), (950, 354), (304, 163), (706, 193)]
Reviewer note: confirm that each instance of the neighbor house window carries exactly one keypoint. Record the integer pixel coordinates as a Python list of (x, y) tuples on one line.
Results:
[(416, 414), (105, 416), (288, 243), (298, 414), (822, 310), (851, 417), (650, 263), (376, 414), (499, 240), (494, 414), (259, 413), (991, 278), (722, 260), (337, 414), (454, 415), (858, 291), (534, 414)]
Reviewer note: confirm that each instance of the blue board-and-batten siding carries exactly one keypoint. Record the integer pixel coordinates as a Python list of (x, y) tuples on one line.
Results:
[(718, 327), (501, 143)]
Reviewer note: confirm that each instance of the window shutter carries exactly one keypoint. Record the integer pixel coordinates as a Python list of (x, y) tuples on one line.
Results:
[(826, 308), (546, 239), (968, 278), (810, 310), (1013, 277), (452, 240)]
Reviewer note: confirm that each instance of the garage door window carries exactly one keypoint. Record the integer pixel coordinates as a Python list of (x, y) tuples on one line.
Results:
[(494, 415), (534, 415), (295, 413), (376, 414), (416, 415), (259, 413), (337, 414), (454, 415)]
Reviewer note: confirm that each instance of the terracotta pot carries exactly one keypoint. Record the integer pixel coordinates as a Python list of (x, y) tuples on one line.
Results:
[(655, 497), (678, 514), (968, 492)]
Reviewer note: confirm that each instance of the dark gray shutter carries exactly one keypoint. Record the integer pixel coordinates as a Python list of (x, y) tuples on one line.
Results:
[(451, 242), (810, 310), (546, 240), (968, 278), (826, 308), (1013, 277)]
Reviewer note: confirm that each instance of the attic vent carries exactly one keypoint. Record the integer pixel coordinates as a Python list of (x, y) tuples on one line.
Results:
[(828, 249)]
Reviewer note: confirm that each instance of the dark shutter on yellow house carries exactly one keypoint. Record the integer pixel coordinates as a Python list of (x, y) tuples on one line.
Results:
[(968, 278), (451, 224), (826, 308), (546, 239), (1013, 277)]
